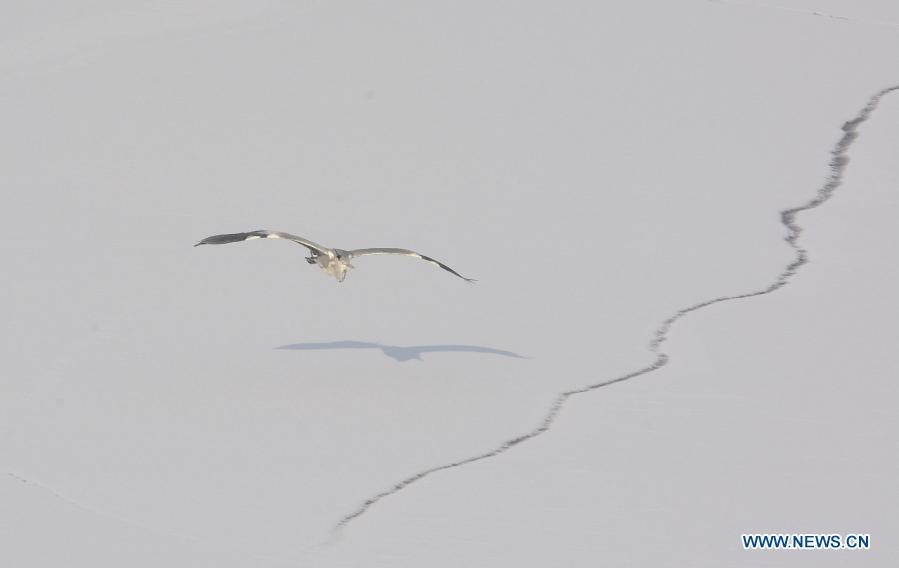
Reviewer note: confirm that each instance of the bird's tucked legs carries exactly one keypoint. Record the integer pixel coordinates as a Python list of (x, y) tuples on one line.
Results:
[(310, 259)]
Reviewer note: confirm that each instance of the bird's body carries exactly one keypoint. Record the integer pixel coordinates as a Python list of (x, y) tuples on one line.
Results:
[(333, 261), (334, 264)]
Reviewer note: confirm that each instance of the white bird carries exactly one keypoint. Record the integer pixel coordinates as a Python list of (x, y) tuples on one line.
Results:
[(333, 261)]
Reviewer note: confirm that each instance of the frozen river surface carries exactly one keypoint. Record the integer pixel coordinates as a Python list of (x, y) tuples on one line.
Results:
[(601, 169)]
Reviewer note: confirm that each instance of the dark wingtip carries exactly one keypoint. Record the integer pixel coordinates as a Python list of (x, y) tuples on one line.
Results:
[(227, 238)]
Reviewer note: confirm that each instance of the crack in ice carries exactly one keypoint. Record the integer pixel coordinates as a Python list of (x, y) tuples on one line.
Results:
[(838, 162), (806, 13), (160, 532), (94, 511)]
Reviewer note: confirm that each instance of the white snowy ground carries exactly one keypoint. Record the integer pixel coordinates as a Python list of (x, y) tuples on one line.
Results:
[(597, 166)]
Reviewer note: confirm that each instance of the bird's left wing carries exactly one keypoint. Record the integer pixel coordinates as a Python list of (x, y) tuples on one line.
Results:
[(405, 252), (263, 234)]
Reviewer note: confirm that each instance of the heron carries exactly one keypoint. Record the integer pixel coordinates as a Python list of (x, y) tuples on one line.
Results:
[(333, 261)]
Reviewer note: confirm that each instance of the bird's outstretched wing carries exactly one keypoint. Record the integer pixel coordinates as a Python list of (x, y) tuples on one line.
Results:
[(237, 237), (405, 252)]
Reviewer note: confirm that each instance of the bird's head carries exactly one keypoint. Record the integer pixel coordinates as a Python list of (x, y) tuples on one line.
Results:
[(343, 257)]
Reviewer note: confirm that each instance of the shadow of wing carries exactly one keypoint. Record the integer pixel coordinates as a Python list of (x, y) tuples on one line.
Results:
[(330, 345), (467, 349), (398, 352)]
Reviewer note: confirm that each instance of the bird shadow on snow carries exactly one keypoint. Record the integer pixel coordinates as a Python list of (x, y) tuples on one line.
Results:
[(398, 353)]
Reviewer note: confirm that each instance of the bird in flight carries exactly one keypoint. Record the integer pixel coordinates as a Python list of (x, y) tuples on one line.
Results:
[(333, 261)]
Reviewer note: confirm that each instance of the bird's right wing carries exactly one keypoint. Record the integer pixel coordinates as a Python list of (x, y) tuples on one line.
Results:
[(263, 234), (406, 252)]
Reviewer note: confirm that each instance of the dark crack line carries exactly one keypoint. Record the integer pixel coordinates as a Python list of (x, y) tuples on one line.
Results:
[(838, 162)]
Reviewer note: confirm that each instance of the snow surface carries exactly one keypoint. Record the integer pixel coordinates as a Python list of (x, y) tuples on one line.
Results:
[(596, 166)]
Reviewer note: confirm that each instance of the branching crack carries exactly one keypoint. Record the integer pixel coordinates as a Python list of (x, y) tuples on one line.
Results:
[(94, 511), (817, 13), (99, 513), (838, 162)]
